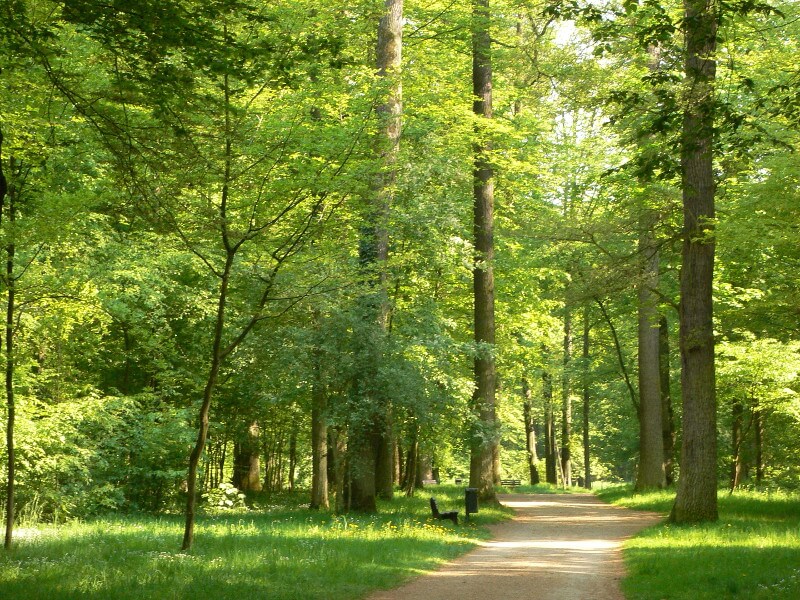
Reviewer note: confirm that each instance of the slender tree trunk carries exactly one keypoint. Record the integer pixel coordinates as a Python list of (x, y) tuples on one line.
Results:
[(7, 196), (566, 402), (485, 443), (620, 358), (219, 330), (292, 456), (667, 415), (651, 441), (530, 432), (205, 407), (737, 422), (760, 432), (587, 465), (696, 499), (319, 436), (549, 429)]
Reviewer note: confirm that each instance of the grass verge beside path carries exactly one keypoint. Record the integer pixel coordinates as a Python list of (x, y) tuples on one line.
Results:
[(752, 552), (281, 552)]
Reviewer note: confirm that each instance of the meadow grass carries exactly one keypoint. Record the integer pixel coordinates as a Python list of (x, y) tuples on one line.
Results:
[(752, 552), (277, 551)]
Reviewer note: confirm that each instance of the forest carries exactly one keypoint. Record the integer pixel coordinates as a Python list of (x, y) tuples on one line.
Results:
[(351, 248)]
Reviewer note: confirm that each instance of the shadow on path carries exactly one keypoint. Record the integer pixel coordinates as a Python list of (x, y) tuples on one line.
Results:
[(564, 547)]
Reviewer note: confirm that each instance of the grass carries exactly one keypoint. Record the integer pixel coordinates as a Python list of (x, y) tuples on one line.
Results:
[(752, 552), (283, 551)]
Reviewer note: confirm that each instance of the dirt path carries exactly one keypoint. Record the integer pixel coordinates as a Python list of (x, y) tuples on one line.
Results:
[(564, 547)]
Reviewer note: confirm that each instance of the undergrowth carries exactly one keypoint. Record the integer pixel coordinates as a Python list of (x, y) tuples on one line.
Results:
[(280, 550)]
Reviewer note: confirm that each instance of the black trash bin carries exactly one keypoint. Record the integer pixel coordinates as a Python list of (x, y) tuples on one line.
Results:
[(470, 501)]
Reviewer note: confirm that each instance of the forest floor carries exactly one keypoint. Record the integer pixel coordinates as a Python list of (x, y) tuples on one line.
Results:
[(565, 547)]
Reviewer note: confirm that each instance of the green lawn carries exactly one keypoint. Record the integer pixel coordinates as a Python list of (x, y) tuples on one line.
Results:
[(283, 551), (752, 552)]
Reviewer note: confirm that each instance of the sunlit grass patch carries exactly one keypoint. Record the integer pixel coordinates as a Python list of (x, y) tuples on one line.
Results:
[(282, 551), (752, 552)]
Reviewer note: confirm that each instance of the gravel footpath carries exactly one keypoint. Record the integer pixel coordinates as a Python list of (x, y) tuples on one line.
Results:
[(560, 547)]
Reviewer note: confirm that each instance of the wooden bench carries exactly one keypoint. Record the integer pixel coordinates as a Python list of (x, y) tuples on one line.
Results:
[(510, 482), (429, 482), (450, 515)]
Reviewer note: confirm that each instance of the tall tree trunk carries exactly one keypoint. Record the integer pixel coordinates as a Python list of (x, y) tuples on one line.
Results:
[(338, 467), (651, 441), (485, 443), (587, 465), (667, 415), (566, 402), (370, 438), (737, 435), (412, 460), (9, 195), (292, 456), (530, 432), (696, 499), (319, 435), (760, 431), (549, 428)]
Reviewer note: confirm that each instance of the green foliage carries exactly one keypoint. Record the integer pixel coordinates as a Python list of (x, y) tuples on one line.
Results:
[(98, 454)]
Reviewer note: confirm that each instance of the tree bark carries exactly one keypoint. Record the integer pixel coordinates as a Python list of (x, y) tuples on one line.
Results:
[(696, 499), (651, 441), (485, 443)]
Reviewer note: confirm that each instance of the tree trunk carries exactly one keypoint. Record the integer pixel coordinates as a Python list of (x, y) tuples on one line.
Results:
[(384, 463), (760, 430), (530, 432), (696, 499), (651, 441), (737, 422), (10, 280), (566, 403), (247, 459), (370, 437), (667, 415), (587, 466), (292, 456), (549, 429), (338, 466), (319, 437), (485, 443)]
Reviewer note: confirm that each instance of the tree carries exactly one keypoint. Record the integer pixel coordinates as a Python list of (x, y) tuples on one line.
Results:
[(696, 499), (484, 438), (370, 440)]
